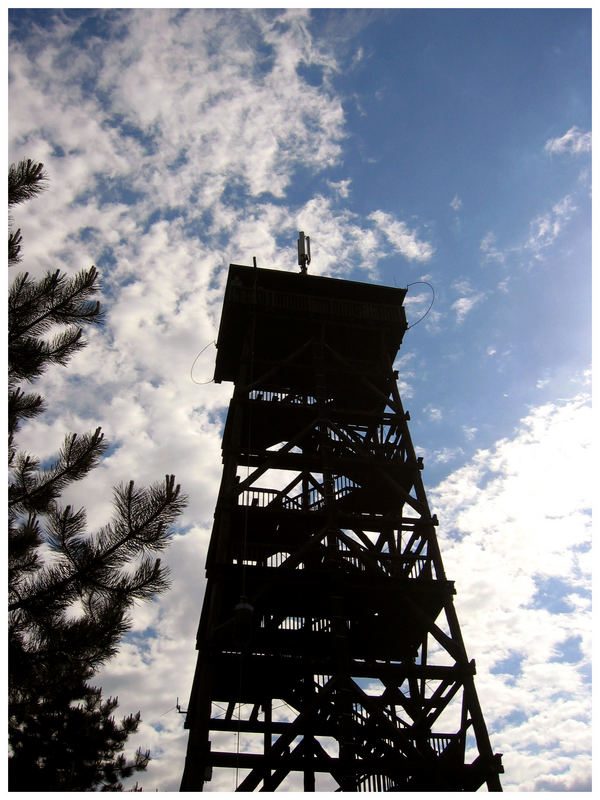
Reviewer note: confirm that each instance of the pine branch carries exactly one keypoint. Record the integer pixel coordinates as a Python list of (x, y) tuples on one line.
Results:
[(34, 306), (49, 644), (25, 180), (22, 406), (92, 567), (14, 246), (28, 358), (150, 511), (57, 298), (32, 490), (64, 526), (24, 539)]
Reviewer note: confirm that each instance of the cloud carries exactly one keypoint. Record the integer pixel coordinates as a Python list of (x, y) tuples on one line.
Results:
[(507, 525), (544, 229), (433, 413), (405, 374), (445, 454), (358, 57), (574, 141), (469, 299), (456, 203), (463, 305), (404, 240), (342, 188), (469, 432), (583, 378), (224, 122), (489, 249)]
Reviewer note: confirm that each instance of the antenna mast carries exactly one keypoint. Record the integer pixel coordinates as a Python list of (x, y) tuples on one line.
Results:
[(303, 252)]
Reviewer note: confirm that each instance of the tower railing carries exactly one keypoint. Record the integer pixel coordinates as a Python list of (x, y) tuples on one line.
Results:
[(270, 300)]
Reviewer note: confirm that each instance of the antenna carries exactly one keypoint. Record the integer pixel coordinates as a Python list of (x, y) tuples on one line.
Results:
[(303, 252)]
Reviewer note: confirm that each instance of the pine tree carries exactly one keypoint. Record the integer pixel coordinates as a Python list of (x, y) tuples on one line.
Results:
[(70, 592), (25, 180)]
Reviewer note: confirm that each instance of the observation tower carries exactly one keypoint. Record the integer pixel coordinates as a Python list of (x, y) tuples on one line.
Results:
[(330, 655)]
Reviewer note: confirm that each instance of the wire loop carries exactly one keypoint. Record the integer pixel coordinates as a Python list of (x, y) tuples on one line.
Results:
[(426, 283), (201, 383)]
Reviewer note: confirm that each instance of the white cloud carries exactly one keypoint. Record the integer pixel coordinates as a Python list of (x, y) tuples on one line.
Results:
[(191, 86), (489, 249), (342, 188), (445, 454), (463, 285), (433, 321), (417, 300), (469, 299), (405, 374), (584, 176), (463, 305), (584, 378), (544, 229), (513, 518), (456, 203), (574, 141), (469, 432), (358, 56), (404, 240), (433, 413)]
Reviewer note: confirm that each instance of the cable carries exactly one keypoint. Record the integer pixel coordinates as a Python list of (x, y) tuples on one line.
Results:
[(430, 305), (244, 552), (201, 383)]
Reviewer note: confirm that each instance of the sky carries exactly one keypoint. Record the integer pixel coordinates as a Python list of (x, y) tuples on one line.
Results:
[(451, 147)]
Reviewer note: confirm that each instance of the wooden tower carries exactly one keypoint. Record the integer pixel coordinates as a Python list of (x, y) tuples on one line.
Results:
[(330, 654)]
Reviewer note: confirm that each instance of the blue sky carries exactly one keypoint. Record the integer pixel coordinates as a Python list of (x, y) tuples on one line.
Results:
[(451, 147)]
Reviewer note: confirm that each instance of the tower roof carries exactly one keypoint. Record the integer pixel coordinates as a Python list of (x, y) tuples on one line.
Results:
[(288, 304)]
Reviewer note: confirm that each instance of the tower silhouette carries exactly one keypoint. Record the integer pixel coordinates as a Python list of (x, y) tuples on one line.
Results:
[(330, 653)]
